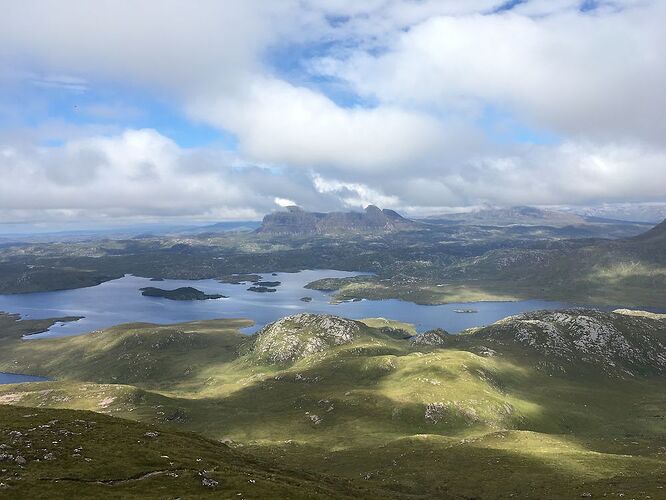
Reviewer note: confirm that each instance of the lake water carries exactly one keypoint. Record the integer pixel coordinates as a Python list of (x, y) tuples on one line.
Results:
[(120, 301), (12, 378)]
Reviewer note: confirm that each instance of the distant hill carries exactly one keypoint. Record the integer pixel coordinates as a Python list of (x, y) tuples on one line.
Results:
[(222, 227), (138, 231), (628, 271), (526, 216), (655, 235), (562, 224), (296, 221), (521, 215), (639, 212)]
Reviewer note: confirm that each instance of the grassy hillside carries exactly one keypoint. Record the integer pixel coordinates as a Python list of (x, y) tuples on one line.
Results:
[(360, 400), (135, 353), (628, 272), (47, 453)]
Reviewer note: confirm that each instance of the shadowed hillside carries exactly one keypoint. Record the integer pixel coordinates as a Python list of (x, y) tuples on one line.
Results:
[(527, 405), (656, 236), (47, 453)]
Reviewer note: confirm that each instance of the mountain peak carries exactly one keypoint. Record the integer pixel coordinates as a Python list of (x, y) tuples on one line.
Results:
[(300, 335), (296, 221)]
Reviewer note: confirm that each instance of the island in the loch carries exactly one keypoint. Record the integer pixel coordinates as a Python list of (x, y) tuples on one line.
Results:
[(261, 289), (182, 293), (268, 284)]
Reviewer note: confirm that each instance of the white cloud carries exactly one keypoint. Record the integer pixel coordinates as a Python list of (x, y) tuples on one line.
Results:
[(354, 194), (138, 172), (165, 43), (283, 202), (65, 82), (143, 174), (600, 76), (280, 123), (426, 72), (578, 172)]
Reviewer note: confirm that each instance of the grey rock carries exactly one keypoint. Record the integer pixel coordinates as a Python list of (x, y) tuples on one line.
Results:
[(616, 343), (208, 482), (434, 337), (301, 335)]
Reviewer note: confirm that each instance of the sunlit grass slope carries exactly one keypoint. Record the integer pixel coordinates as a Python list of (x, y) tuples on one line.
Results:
[(543, 404)]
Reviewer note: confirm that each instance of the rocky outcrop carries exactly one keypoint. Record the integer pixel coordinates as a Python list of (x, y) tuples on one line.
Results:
[(618, 343), (436, 337), (295, 337), (640, 314), (296, 221)]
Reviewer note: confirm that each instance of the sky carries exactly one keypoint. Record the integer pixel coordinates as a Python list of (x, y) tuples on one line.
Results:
[(119, 111)]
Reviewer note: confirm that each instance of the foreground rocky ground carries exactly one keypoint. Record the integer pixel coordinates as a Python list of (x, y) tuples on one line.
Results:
[(46, 453)]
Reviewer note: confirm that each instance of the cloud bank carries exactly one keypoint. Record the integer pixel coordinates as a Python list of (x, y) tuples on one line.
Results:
[(337, 104)]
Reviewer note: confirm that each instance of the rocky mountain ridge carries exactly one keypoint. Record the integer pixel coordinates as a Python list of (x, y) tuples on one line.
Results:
[(615, 342), (624, 343), (296, 221)]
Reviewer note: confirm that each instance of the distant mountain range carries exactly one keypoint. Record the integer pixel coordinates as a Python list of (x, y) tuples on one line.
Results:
[(139, 231), (296, 221), (639, 212), (519, 215)]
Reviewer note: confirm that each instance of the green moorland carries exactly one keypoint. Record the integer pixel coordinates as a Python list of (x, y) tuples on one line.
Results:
[(631, 272), (543, 405), (428, 263), (49, 453)]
